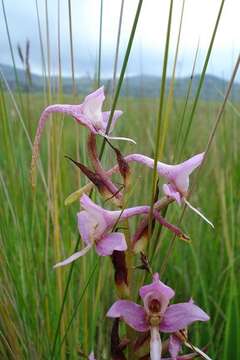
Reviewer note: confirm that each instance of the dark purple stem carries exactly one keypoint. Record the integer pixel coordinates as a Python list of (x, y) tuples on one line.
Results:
[(99, 169)]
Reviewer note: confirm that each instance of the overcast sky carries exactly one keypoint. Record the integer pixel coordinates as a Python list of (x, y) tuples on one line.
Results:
[(147, 52)]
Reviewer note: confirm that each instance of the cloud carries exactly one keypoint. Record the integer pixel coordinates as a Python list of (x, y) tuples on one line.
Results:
[(148, 48)]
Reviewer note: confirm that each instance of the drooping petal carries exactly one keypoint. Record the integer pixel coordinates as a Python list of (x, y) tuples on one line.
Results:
[(174, 346), (157, 287), (132, 313), (106, 114), (179, 316), (74, 257), (111, 242), (155, 344), (72, 110)]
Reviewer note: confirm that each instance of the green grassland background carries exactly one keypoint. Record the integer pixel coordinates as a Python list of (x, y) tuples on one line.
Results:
[(37, 229)]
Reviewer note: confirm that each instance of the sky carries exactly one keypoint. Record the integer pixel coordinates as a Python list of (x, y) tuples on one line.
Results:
[(148, 47)]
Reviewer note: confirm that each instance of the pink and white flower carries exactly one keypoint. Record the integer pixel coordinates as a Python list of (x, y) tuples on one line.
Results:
[(88, 114), (156, 314), (96, 226), (177, 177)]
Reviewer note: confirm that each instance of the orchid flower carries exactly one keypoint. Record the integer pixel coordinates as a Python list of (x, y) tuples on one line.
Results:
[(95, 225), (88, 114), (156, 314), (177, 177)]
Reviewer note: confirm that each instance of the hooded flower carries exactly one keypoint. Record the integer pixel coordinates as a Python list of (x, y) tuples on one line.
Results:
[(156, 314), (88, 114), (95, 225), (177, 176)]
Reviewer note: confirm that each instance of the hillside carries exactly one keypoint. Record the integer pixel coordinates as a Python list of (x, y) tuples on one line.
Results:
[(135, 86)]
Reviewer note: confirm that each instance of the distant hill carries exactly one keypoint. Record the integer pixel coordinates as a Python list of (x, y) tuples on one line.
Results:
[(135, 86)]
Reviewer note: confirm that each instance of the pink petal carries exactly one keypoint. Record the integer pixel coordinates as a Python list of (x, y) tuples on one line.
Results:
[(88, 204), (95, 99), (179, 316), (72, 110), (111, 242), (157, 287), (174, 346), (170, 191), (181, 172), (163, 169), (73, 257), (132, 313), (106, 114), (108, 217), (92, 108), (177, 175), (90, 227)]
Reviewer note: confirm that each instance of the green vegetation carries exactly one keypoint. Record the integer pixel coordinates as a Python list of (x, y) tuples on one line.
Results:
[(52, 314), (206, 269)]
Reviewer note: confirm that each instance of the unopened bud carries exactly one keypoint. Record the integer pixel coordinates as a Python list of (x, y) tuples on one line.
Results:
[(121, 273)]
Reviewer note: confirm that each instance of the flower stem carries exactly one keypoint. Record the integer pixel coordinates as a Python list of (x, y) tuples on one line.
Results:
[(92, 148)]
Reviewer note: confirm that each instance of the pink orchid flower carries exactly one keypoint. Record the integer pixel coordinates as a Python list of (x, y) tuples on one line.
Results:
[(95, 225), (156, 314), (88, 114), (177, 176)]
